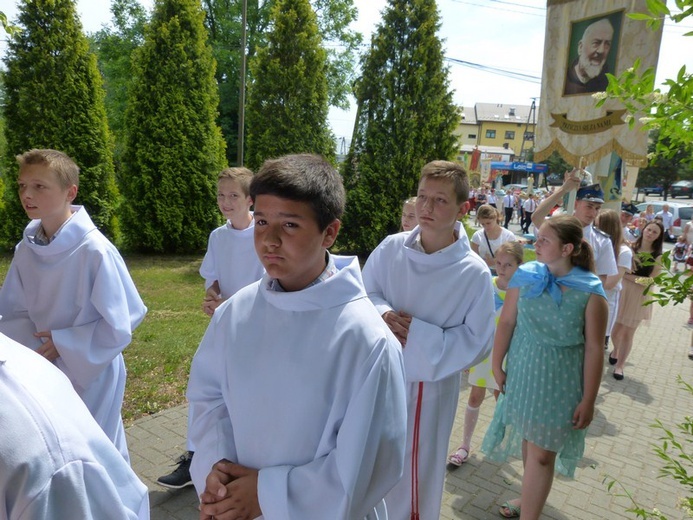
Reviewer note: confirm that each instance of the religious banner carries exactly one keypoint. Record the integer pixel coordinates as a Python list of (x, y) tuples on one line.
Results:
[(585, 40)]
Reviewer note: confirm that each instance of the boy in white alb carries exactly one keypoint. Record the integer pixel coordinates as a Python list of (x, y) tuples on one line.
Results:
[(436, 296), (55, 461), (297, 390), (230, 264), (68, 294)]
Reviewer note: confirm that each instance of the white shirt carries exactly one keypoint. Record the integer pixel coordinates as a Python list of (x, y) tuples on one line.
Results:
[(604, 259), (529, 205), (484, 252), (628, 234), (231, 259), (667, 219)]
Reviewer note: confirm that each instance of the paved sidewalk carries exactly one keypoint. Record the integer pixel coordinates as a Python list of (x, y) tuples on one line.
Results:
[(619, 443)]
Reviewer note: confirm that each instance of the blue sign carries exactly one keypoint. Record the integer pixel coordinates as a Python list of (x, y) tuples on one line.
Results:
[(520, 166)]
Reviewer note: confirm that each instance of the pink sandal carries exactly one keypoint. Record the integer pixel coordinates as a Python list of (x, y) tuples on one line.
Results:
[(459, 457)]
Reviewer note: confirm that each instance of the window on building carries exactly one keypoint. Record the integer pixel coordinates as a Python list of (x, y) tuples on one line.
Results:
[(510, 134), (471, 136), (529, 136), (490, 134)]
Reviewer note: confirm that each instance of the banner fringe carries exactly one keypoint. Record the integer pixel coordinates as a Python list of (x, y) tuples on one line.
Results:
[(629, 158)]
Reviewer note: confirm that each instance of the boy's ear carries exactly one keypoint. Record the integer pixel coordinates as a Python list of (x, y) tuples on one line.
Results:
[(464, 208), (330, 233), (72, 193)]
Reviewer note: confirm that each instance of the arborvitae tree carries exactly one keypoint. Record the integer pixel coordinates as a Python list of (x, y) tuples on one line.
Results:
[(405, 118), (334, 18), (287, 102), (114, 46), (174, 149), (55, 99)]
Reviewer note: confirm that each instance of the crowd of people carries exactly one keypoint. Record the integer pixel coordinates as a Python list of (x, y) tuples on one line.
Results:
[(320, 389)]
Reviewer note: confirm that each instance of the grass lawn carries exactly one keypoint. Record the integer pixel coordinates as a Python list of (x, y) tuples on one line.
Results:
[(158, 359)]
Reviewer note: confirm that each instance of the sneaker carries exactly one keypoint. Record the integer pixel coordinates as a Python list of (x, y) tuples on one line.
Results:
[(180, 477)]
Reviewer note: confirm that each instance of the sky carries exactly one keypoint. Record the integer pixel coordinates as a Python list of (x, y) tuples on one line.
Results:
[(503, 34)]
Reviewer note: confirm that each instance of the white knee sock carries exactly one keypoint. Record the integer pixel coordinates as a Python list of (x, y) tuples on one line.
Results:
[(471, 416)]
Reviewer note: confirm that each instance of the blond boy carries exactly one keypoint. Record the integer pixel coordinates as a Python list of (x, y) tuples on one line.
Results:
[(68, 294), (230, 262)]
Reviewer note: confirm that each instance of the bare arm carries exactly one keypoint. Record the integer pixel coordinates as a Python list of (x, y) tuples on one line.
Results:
[(504, 333), (595, 328), (613, 280), (489, 261), (572, 182), (212, 299)]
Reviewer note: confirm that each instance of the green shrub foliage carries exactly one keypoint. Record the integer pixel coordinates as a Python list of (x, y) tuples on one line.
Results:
[(223, 20), (287, 101), (174, 148), (54, 99), (405, 118)]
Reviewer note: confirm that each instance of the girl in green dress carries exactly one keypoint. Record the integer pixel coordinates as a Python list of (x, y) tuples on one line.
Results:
[(552, 329)]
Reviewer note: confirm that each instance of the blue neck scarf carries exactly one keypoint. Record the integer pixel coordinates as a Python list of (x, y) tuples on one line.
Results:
[(537, 278)]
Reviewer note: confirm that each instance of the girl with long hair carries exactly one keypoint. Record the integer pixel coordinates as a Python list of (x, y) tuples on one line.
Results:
[(552, 330), (631, 312), (609, 221)]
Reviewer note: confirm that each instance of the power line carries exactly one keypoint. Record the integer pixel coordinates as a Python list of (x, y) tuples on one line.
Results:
[(542, 15), (494, 70), (519, 5)]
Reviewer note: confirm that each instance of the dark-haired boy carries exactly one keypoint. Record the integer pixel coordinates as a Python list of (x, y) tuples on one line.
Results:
[(297, 390), (435, 294)]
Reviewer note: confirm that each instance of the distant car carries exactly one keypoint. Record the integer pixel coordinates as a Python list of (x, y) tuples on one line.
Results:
[(554, 179), (682, 213), (653, 190), (515, 187), (682, 189)]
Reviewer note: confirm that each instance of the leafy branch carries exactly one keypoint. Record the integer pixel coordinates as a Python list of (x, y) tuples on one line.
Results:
[(672, 287), (670, 112), (678, 465)]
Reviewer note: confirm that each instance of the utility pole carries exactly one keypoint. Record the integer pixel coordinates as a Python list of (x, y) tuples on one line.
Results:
[(532, 116), (241, 94)]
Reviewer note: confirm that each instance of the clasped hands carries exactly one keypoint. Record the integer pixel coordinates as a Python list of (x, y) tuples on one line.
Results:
[(230, 493), (398, 323)]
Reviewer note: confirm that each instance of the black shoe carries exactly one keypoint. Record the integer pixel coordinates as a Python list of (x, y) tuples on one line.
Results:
[(180, 477), (618, 377), (612, 360)]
